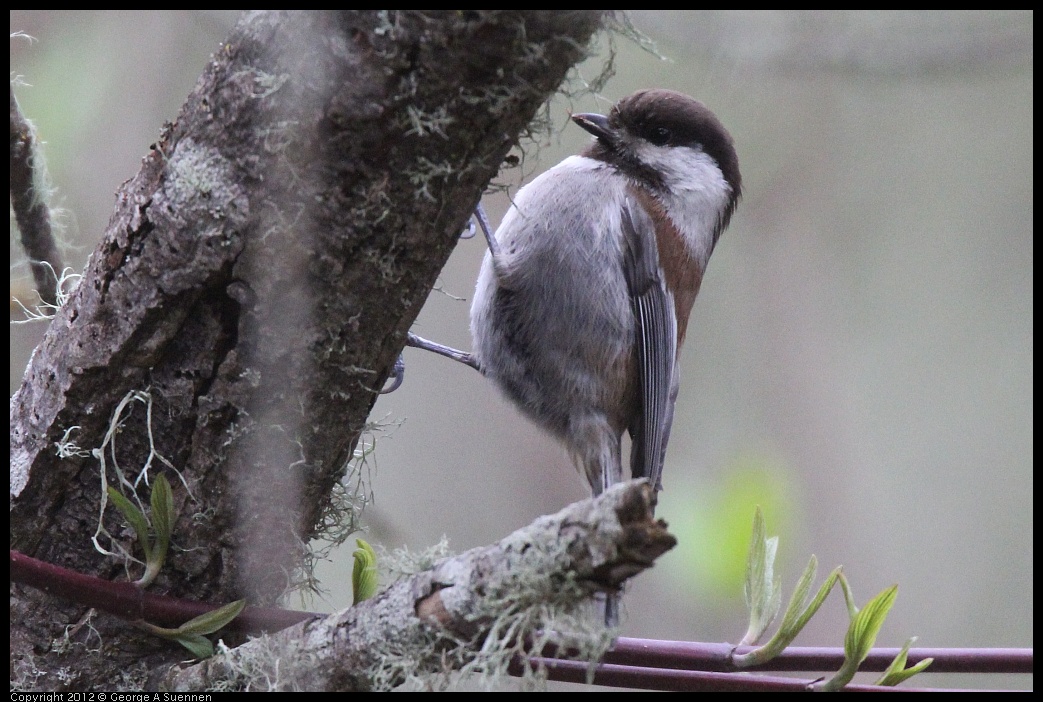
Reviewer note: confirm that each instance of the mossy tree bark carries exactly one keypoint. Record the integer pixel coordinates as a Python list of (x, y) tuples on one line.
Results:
[(255, 286)]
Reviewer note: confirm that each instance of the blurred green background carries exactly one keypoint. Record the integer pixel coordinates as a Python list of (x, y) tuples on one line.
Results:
[(859, 361)]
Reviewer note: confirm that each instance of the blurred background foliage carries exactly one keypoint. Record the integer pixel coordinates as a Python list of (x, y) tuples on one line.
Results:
[(859, 361)]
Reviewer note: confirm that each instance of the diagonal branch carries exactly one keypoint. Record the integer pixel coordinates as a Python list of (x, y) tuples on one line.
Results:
[(445, 616)]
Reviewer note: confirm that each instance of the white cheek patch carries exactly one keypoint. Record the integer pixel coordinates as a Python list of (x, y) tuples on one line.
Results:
[(697, 193)]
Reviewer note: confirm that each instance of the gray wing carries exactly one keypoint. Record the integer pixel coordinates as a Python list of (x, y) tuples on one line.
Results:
[(656, 330)]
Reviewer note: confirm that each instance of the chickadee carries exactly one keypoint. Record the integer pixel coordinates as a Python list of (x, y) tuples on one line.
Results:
[(583, 299), (581, 312)]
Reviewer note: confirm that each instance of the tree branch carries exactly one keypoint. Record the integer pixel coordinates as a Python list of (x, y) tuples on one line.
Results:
[(444, 617)]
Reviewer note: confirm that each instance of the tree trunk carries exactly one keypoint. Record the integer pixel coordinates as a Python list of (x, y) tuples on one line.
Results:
[(250, 296)]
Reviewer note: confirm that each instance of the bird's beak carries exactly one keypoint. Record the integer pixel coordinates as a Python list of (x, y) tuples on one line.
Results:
[(597, 125)]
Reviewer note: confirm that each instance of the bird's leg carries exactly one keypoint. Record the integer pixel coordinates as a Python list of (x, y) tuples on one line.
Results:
[(483, 222), (398, 373), (461, 356), (421, 343)]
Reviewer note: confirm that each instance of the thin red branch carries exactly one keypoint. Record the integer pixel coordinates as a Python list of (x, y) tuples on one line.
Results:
[(705, 656), (127, 601), (633, 663), (649, 678)]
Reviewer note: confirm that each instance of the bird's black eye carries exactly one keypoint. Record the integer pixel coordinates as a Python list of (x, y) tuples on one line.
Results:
[(659, 135)]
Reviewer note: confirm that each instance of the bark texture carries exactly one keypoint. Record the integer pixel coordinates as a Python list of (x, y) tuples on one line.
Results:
[(485, 603), (254, 287)]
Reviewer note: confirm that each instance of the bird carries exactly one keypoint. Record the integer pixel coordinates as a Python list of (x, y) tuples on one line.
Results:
[(583, 300)]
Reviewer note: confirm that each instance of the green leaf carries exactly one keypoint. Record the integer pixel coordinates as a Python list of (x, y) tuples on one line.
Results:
[(901, 676), (755, 559), (212, 621), (762, 588), (897, 672), (800, 595), (134, 517), (798, 622), (861, 635), (364, 574), (199, 646), (163, 515), (849, 597), (191, 633), (794, 620)]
